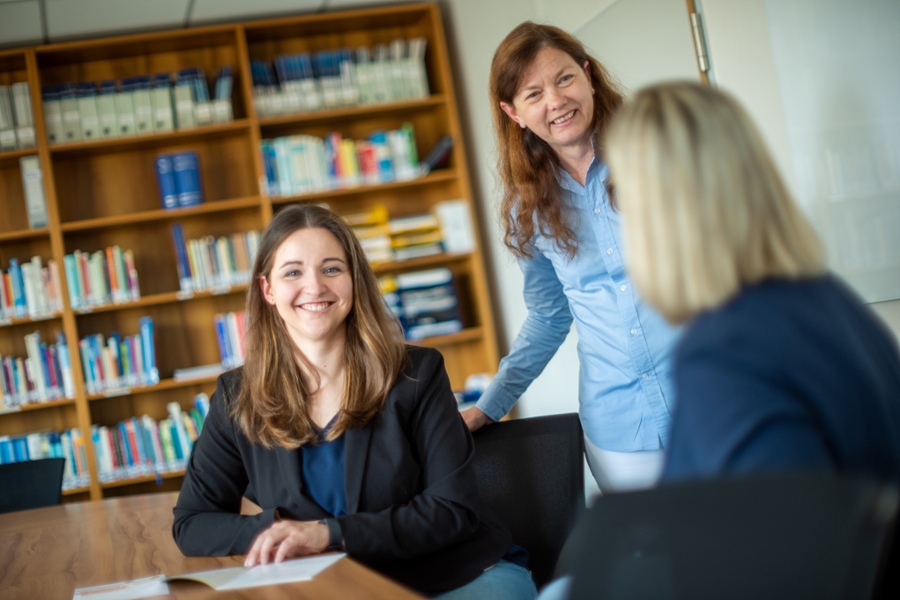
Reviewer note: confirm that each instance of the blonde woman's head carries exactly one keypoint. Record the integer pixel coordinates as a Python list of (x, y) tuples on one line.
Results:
[(705, 210)]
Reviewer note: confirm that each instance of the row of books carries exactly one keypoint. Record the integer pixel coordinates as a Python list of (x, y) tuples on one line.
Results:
[(211, 263), (299, 164), (30, 289), (139, 105), (16, 118), (425, 302), (448, 228), (44, 374), (138, 447), (50, 444), (33, 186), (101, 277), (178, 179), (120, 362), (344, 77), (231, 331)]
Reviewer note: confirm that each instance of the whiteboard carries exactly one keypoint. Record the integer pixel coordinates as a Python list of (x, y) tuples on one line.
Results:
[(833, 66)]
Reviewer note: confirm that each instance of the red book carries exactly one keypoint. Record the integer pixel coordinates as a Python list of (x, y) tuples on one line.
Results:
[(132, 442)]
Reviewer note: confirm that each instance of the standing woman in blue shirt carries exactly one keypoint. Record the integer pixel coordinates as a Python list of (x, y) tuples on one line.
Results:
[(551, 103)]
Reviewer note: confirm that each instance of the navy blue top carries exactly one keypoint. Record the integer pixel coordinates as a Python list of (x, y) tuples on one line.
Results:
[(323, 472), (322, 460), (788, 375)]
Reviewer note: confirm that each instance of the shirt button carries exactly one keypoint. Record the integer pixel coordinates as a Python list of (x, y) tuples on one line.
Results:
[(622, 288), (596, 211), (634, 332), (644, 376), (609, 251)]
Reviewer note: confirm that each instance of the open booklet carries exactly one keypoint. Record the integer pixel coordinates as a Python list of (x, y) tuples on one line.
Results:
[(232, 578)]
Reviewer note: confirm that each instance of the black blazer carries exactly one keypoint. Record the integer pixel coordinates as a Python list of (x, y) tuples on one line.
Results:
[(412, 498)]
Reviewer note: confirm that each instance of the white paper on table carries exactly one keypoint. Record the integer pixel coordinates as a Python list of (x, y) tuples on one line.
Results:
[(233, 578), (129, 590), (300, 569)]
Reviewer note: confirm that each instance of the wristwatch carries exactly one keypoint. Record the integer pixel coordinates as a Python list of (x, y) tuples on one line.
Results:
[(335, 535)]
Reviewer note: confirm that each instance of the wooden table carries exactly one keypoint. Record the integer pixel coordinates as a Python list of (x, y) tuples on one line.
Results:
[(48, 552)]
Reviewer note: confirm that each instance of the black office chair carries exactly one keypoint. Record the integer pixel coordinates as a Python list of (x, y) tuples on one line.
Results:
[(31, 484), (531, 474), (812, 536)]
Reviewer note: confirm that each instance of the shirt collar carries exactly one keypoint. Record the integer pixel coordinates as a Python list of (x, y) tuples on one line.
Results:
[(567, 182)]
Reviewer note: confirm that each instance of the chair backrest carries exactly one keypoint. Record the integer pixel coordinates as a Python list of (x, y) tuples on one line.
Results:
[(814, 536), (531, 475), (31, 484)]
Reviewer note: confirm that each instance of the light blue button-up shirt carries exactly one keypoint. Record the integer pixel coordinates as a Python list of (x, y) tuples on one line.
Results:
[(624, 346)]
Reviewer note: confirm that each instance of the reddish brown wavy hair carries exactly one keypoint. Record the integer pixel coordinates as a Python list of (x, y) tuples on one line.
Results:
[(531, 194)]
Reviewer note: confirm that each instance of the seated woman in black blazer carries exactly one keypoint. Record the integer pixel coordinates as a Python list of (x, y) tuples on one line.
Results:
[(350, 439), (780, 367)]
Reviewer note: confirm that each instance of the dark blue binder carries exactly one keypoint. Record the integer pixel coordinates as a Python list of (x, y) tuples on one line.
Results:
[(165, 180), (186, 166)]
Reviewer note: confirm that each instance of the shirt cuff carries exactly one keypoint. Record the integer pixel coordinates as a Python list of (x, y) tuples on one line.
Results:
[(496, 401)]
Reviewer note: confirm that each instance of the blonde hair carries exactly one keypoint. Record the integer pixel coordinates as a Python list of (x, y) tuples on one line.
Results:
[(704, 208), (272, 407)]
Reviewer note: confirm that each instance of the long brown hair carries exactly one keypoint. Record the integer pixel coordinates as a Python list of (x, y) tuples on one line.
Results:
[(272, 407), (526, 163)]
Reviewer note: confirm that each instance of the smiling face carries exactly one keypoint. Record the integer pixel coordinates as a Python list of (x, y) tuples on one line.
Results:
[(555, 101), (311, 287)]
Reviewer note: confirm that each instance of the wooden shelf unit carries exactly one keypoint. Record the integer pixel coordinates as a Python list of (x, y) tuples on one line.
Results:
[(103, 192)]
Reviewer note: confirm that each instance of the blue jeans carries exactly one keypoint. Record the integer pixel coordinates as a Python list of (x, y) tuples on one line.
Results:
[(503, 581), (558, 589)]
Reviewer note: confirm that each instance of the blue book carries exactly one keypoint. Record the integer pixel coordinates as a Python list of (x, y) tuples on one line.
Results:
[(268, 157), (45, 367), (139, 441), (186, 166), (149, 451), (123, 432), (148, 350), (20, 449), (201, 401), (56, 451), (165, 181), (185, 275), (176, 443), (76, 296), (18, 288), (224, 84), (221, 339), (6, 451)]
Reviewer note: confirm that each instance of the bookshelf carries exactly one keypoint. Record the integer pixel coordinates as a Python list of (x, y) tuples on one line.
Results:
[(102, 192)]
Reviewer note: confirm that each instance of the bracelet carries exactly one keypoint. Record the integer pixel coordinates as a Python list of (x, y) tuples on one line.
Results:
[(335, 535)]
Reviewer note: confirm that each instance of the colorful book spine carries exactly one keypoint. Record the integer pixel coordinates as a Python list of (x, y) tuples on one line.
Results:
[(43, 374), (119, 363), (301, 164), (46, 444), (30, 289), (230, 337), (211, 263), (101, 277)]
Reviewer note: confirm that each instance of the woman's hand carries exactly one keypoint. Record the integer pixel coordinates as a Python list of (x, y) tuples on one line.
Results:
[(287, 539), (474, 418)]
